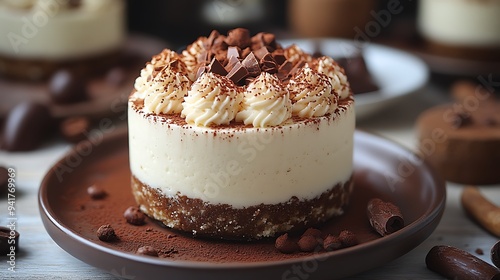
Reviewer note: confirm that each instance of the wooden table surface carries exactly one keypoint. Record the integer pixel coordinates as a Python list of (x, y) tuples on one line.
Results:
[(41, 258)]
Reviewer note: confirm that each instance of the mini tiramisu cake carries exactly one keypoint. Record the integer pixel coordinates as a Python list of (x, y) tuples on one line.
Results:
[(42, 36), (239, 138), (461, 28)]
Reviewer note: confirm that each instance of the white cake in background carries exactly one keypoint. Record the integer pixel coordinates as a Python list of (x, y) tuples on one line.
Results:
[(248, 159), (461, 23), (40, 32)]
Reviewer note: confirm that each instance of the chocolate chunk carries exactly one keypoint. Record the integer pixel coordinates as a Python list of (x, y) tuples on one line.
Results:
[(106, 233), (219, 44), (96, 192), (284, 70), (26, 126), (313, 232), (9, 241), (66, 87), (454, 263), (495, 254), (217, 68), (147, 251), (279, 56), (308, 243), (269, 39), (332, 243), (252, 65), (285, 244), (297, 67), (239, 37), (245, 52), (209, 42), (231, 63), (233, 51), (237, 73), (74, 129), (4, 180), (360, 78), (348, 238), (261, 52), (134, 216), (384, 217)]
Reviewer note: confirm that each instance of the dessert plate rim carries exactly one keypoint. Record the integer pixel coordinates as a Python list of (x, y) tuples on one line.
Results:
[(409, 237), (398, 73)]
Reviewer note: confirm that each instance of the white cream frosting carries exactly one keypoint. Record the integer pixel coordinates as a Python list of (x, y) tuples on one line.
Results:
[(326, 65), (266, 102), (158, 62), (48, 29), (212, 100), (311, 94), (473, 23), (165, 92), (242, 167), (294, 54)]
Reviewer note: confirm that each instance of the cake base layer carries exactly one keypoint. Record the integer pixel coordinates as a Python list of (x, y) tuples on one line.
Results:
[(254, 222), (42, 69)]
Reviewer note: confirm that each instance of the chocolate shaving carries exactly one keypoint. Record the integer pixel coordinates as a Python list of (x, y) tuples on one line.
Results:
[(384, 217)]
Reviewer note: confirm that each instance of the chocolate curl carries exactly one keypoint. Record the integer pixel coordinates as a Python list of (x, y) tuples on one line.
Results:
[(384, 217), (457, 264)]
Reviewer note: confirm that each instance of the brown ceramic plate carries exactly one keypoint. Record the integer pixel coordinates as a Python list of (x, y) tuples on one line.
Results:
[(382, 169)]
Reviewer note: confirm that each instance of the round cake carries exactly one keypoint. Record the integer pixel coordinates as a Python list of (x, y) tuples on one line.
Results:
[(461, 28), (42, 36), (239, 138)]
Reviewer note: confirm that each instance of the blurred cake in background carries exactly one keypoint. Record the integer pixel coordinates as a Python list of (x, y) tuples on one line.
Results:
[(461, 28), (41, 36)]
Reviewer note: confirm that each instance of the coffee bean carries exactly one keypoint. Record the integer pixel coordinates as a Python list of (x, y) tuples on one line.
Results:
[(106, 233), (332, 243), (73, 129), (134, 216), (6, 235), (348, 238), (66, 87), (285, 244), (26, 126), (148, 251), (96, 192), (308, 243)]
